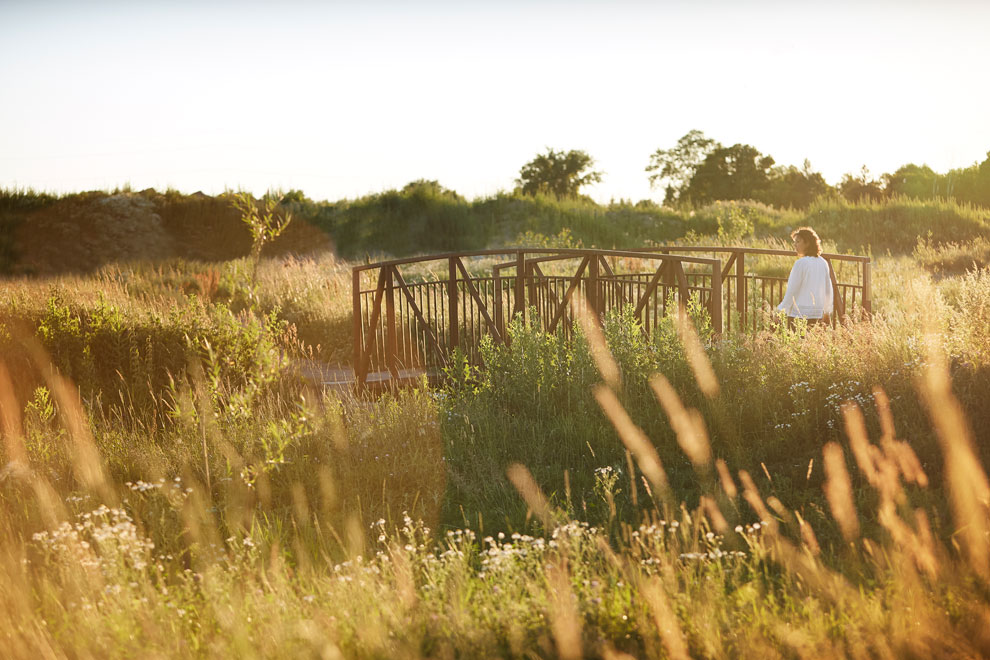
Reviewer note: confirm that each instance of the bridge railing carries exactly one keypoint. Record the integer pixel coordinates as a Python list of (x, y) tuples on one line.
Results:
[(415, 324), (747, 292)]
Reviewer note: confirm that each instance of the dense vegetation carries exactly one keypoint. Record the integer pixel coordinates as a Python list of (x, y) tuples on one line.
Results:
[(176, 486), (698, 170)]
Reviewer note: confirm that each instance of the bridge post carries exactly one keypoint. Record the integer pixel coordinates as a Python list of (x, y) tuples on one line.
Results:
[(531, 278), (592, 291), (519, 306), (499, 311), (742, 291), (391, 347), (716, 302), (867, 293), (452, 324), (356, 325)]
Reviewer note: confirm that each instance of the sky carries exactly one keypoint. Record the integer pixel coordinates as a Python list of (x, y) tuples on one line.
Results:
[(344, 99)]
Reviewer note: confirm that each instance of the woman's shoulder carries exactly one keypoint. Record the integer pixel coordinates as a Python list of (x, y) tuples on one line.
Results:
[(815, 263)]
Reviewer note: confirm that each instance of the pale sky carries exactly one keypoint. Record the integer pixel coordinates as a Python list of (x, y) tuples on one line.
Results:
[(342, 99)]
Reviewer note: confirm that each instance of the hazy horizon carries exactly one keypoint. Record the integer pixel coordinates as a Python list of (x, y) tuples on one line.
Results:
[(343, 100)]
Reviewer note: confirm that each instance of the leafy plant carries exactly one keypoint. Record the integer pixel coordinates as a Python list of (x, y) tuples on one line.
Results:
[(265, 218)]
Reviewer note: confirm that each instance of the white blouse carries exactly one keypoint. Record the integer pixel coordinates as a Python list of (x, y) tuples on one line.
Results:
[(809, 289)]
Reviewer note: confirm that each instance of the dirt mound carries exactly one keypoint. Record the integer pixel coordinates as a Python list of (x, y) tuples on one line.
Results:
[(83, 232)]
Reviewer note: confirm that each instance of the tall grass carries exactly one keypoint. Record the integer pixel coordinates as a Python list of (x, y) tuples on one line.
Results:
[(170, 486), (285, 552)]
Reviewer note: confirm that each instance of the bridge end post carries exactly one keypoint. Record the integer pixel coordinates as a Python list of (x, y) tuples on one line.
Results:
[(741, 288), (356, 326), (867, 289)]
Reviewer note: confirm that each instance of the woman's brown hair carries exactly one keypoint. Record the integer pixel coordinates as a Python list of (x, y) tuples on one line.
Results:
[(810, 239)]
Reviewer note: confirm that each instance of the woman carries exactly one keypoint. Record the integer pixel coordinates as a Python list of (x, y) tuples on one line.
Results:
[(809, 287)]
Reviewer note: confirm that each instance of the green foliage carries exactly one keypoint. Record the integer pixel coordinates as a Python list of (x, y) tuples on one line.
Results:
[(894, 224), (734, 222), (265, 220), (422, 217), (532, 404), (563, 240), (727, 173), (861, 187), (103, 351), (236, 495), (968, 185), (913, 181), (15, 205), (678, 165), (699, 170), (794, 188), (971, 184), (558, 173), (952, 258)]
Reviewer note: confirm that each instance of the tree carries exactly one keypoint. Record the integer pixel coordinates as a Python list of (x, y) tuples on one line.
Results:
[(912, 181), (970, 184), (861, 187), (677, 166), (429, 188), (736, 172), (795, 188), (266, 220), (558, 173)]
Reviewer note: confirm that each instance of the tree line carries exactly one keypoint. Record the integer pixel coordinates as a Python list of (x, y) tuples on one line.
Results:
[(699, 170)]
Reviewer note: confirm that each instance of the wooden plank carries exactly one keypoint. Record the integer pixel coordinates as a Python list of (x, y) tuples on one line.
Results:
[(562, 307)]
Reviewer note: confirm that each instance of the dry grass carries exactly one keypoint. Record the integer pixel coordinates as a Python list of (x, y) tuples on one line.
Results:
[(268, 521)]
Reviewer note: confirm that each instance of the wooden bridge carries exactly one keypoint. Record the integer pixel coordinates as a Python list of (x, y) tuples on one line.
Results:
[(405, 325)]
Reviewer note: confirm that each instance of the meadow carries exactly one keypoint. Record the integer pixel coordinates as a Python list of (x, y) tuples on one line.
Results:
[(174, 486)]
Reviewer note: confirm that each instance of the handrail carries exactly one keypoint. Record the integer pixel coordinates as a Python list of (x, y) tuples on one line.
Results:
[(766, 251), (574, 252)]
